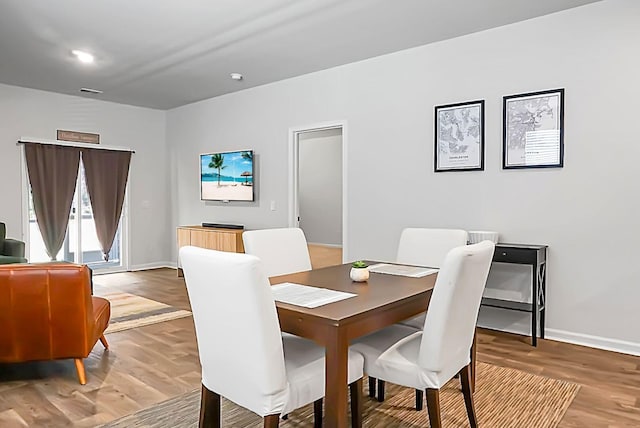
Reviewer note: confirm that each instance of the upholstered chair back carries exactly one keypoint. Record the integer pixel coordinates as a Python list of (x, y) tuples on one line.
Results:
[(11, 250), (453, 309), (47, 312), (428, 247), (237, 328), (282, 251)]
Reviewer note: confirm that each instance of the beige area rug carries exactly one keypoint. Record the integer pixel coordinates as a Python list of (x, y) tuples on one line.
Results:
[(504, 398), (131, 311)]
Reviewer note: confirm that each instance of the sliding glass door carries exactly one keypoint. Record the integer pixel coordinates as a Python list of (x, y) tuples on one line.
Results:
[(81, 242)]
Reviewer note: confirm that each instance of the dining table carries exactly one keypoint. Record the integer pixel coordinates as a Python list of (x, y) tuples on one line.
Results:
[(381, 301)]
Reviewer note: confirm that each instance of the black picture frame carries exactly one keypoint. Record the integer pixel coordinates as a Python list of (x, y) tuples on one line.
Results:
[(455, 128), (536, 116)]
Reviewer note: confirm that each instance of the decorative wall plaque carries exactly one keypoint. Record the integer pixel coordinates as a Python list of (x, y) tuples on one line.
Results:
[(78, 137)]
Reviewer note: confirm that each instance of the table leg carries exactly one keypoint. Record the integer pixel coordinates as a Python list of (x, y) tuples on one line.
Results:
[(337, 349)]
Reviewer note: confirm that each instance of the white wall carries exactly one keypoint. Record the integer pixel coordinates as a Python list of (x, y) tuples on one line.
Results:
[(32, 113), (587, 212), (320, 185)]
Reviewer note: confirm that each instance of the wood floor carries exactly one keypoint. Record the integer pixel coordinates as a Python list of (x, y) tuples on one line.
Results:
[(149, 364)]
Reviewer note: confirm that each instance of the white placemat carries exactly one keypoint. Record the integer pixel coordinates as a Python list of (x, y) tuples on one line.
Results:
[(307, 296), (402, 270)]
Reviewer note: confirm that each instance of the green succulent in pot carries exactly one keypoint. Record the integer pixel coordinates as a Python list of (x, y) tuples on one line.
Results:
[(359, 271)]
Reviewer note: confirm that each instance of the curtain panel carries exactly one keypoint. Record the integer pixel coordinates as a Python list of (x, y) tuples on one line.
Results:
[(106, 173), (53, 171)]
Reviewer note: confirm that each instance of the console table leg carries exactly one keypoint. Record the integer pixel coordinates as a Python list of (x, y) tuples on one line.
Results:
[(534, 304), (543, 295)]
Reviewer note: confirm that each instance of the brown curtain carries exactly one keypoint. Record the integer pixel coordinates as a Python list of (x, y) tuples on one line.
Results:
[(53, 171), (106, 173)]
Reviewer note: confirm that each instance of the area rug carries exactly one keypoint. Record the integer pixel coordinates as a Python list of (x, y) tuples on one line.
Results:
[(504, 398), (131, 311)]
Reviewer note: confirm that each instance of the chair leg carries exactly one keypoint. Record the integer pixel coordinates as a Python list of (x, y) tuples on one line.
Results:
[(209, 409), (433, 407), (380, 390), (465, 378), (317, 413), (82, 377), (474, 348), (372, 386), (272, 421), (355, 390), (419, 399), (104, 342)]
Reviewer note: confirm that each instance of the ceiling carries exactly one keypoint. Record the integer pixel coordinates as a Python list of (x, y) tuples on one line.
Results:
[(164, 54)]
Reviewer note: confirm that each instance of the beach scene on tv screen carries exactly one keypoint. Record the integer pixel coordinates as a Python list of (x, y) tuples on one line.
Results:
[(227, 176)]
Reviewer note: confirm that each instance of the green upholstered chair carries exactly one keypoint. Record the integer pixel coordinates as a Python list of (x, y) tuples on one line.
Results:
[(11, 250)]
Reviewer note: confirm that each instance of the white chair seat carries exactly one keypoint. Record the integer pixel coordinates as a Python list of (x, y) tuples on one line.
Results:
[(416, 323), (373, 345), (399, 364), (305, 370)]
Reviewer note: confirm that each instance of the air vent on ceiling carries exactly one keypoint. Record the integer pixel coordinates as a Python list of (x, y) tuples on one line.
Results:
[(90, 91)]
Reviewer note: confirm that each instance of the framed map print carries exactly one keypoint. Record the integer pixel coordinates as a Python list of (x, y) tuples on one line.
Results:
[(533, 130), (459, 137)]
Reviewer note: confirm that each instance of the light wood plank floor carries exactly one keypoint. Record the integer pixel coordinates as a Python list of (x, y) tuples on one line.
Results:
[(150, 364)]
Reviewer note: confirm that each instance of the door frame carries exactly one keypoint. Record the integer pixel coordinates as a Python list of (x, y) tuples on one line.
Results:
[(294, 204)]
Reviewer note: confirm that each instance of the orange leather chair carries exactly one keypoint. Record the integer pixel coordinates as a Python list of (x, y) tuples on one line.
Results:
[(47, 312)]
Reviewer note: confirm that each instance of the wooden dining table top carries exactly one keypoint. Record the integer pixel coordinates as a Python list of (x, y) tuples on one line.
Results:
[(374, 295)]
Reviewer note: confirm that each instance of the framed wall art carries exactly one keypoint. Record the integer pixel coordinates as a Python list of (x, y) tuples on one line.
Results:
[(459, 137), (533, 130)]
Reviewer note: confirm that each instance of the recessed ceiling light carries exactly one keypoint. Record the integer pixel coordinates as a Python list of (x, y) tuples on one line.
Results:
[(82, 56), (90, 91), (236, 76)]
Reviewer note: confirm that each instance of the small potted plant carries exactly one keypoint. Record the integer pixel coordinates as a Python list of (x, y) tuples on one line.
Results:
[(359, 271)]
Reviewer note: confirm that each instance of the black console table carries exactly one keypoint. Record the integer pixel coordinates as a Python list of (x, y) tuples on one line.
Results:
[(536, 257)]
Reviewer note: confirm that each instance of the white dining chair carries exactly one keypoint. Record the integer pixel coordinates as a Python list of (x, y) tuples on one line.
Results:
[(427, 359), (282, 250), (423, 247), (427, 247), (243, 355)]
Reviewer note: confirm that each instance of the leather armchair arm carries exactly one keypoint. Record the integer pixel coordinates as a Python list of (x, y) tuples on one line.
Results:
[(14, 248)]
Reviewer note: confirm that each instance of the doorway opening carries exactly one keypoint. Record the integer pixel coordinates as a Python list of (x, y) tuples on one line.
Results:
[(318, 189)]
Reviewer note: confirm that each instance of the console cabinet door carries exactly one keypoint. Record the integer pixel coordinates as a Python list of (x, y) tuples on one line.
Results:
[(215, 239), (184, 237)]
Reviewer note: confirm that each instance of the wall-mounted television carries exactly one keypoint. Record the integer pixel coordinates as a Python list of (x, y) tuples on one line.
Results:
[(227, 176)]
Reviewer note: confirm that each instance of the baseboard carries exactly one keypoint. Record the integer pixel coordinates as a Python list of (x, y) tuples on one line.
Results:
[(325, 245), (607, 344), (155, 265), (512, 322)]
